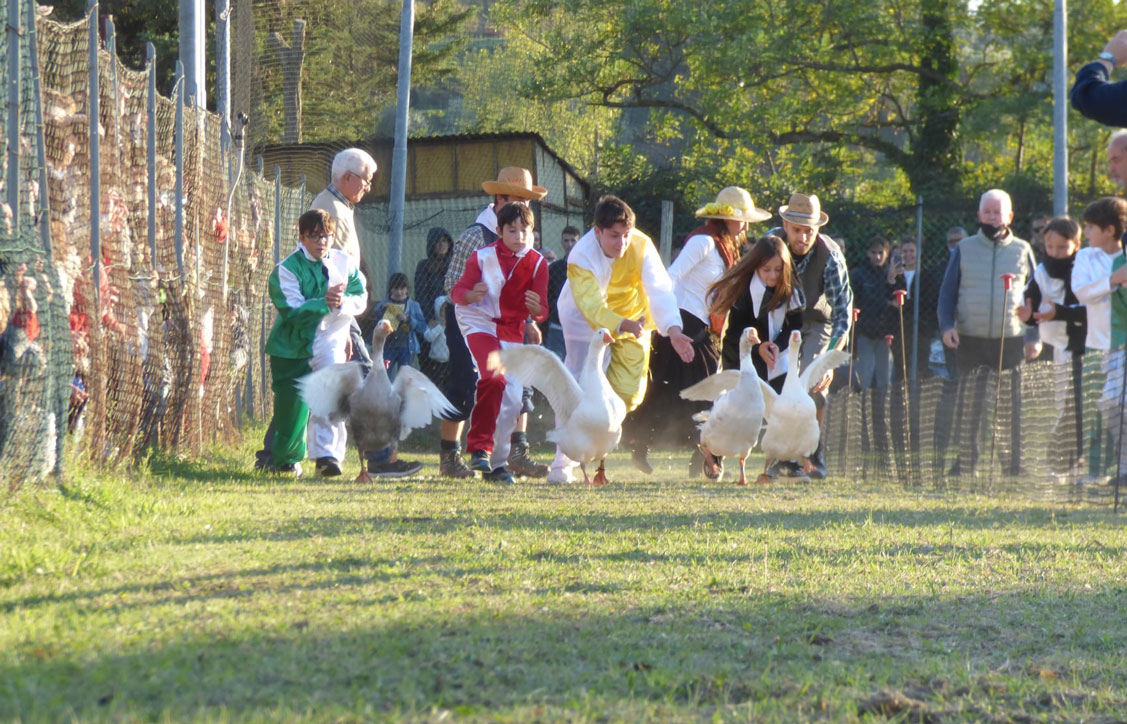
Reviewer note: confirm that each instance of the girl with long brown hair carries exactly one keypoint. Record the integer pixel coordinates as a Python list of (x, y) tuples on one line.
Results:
[(760, 292), (710, 249)]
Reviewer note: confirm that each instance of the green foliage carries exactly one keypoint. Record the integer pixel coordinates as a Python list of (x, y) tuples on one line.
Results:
[(866, 102), (351, 61)]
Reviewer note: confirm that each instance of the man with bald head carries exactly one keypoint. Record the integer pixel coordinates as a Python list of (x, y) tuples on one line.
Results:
[(977, 317), (1117, 158)]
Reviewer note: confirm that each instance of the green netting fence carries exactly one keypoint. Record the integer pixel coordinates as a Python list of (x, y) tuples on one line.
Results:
[(145, 329)]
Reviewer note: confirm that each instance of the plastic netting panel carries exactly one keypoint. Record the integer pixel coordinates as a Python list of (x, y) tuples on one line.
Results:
[(137, 351), (1051, 429), (35, 360)]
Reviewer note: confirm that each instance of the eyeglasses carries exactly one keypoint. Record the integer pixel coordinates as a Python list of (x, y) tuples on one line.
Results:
[(1038, 228), (364, 182), (318, 237)]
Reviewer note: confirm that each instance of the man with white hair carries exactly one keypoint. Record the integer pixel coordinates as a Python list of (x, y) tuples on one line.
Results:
[(352, 174), (977, 316)]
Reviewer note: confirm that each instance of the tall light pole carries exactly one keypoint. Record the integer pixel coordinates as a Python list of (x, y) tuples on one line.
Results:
[(399, 150), (192, 36), (1060, 108)]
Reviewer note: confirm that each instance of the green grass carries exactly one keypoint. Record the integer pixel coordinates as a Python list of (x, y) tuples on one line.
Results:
[(202, 591)]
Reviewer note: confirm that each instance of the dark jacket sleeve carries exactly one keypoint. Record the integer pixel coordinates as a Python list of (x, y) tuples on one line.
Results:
[(1094, 96), (739, 319), (949, 293), (1033, 294), (1072, 313)]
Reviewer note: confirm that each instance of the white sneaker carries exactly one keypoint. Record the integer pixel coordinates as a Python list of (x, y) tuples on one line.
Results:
[(560, 476)]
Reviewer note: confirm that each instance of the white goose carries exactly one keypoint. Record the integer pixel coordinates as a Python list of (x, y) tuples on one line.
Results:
[(731, 427), (792, 418), (588, 411), (379, 412)]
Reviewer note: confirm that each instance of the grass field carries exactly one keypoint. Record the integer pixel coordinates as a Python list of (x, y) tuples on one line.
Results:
[(202, 591)]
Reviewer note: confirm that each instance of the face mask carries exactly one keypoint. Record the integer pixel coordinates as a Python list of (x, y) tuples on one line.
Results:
[(1059, 268), (993, 233)]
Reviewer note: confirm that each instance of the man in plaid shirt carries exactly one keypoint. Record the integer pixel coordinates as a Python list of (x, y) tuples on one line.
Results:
[(820, 269)]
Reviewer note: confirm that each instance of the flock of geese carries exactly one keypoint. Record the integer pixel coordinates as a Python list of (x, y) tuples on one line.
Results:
[(589, 413)]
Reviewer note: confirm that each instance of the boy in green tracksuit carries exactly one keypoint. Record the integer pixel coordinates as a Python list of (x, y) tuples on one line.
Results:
[(317, 290)]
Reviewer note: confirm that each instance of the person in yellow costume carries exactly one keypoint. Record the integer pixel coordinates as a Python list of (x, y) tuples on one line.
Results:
[(616, 280)]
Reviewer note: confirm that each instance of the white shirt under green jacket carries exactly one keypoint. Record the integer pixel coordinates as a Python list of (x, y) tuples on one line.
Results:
[(305, 326)]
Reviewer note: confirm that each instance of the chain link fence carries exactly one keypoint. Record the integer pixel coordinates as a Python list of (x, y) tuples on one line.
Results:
[(140, 326), (1046, 428)]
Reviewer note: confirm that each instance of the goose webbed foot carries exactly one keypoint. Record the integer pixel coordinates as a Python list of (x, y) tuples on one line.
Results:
[(363, 477), (600, 474)]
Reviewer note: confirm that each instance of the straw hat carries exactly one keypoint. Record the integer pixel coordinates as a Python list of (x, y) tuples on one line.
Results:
[(804, 210), (514, 181), (733, 203)]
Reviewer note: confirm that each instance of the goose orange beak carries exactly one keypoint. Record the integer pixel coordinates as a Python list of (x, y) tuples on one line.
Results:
[(385, 325), (753, 335), (607, 338)]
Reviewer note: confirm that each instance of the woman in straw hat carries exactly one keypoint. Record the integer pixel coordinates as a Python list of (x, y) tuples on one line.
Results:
[(708, 252)]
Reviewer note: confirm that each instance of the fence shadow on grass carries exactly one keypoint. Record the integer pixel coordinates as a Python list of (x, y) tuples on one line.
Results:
[(957, 517), (768, 649)]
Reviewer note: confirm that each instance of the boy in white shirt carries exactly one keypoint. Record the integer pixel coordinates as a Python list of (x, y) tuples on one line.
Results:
[(1098, 277)]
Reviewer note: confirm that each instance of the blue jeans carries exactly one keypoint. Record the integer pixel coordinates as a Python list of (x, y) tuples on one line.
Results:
[(554, 340), (396, 357)]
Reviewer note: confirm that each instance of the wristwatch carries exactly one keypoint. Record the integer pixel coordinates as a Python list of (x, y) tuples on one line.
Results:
[(1108, 57)]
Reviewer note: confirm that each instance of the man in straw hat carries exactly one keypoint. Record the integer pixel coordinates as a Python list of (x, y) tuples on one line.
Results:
[(709, 250), (820, 269), (615, 279), (512, 184)]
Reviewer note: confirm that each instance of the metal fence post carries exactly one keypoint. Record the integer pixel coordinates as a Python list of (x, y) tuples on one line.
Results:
[(94, 114), (665, 243), (277, 215), (179, 140), (151, 148), (915, 290), (223, 76), (111, 46), (13, 172), (43, 218), (60, 396)]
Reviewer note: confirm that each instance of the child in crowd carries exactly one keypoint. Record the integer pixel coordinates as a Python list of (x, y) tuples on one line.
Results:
[(407, 322), (318, 291), (437, 357), (1098, 277), (503, 285), (760, 291), (1062, 321)]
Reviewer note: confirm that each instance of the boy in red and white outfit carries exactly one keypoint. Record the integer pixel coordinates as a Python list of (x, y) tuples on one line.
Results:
[(503, 285)]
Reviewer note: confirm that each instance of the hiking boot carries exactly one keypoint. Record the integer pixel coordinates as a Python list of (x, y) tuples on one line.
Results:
[(451, 465), (397, 469), (521, 464), (640, 458), (499, 475), (479, 462), (327, 467)]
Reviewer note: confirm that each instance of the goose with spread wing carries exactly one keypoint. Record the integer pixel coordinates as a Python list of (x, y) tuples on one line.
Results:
[(379, 412), (731, 427), (792, 419), (588, 411)]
